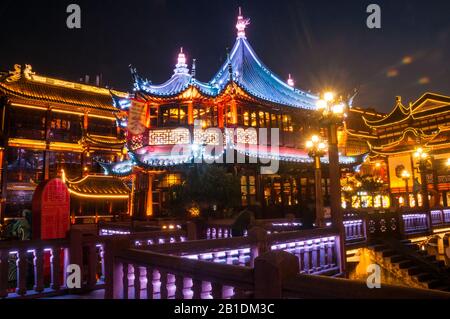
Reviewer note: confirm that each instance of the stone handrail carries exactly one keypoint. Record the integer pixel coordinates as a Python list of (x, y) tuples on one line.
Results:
[(318, 287), (163, 276)]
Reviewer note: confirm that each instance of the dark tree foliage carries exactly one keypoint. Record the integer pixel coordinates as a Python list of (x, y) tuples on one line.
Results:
[(206, 186)]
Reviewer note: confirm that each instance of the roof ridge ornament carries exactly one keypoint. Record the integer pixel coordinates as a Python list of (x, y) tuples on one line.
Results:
[(241, 25), (230, 66), (290, 81), (181, 67), (194, 68)]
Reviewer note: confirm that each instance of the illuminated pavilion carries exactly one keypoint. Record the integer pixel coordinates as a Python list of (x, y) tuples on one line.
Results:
[(243, 96), (396, 140), (51, 127)]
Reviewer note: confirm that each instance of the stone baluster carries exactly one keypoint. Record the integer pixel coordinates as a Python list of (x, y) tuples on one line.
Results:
[(360, 230), (125, 281), (56, 268), (38, 263), (241, 257), (102, 261), (171, 286), (307, 257), (179, 286), (314, 256), (301, 256), (229, 257), (4, 269), (322, 256), (137, 282), (330, 253), (21, 272)]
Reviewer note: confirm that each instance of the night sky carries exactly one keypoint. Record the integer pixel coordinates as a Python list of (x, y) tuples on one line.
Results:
[(321, 43)]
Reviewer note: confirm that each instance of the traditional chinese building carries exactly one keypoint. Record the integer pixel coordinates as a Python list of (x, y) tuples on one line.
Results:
[(398, 142), (226, 113), (49, 126)]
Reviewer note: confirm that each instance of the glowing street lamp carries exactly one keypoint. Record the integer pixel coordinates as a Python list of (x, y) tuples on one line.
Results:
[(406, 176), (333, 111), (316, 150), (422, 157)]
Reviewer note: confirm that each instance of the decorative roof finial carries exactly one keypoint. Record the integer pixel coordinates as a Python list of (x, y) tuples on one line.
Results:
[(181, 67), (290, 81), (194, 68), (242, 23), (230, 65)]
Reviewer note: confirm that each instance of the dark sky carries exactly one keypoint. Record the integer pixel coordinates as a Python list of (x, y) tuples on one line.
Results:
[(322, 43)]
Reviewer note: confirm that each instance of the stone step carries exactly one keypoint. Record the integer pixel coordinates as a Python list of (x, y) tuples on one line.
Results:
[(388, 253), (433, 283), (405, 264), (396, 258), (439, 263), (414, 270), (442, 288), (378, 247), (423, 277), (412, 246), (430, 258)]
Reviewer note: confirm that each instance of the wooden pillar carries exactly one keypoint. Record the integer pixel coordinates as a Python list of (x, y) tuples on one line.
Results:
[(191, 113), (149, 208), (234, 115), (5, 124), (220, 116), (437, 199), (85, 153), (141, 194), (46, 166)]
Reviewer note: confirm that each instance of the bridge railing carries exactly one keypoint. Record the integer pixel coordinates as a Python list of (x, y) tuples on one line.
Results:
[(318, 287), (144, 274), (33, 269), (141, 274)]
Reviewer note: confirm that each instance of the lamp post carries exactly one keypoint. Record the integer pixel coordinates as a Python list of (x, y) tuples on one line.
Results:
[(333, 111), (405, 176), (316, 150), (422, 157)]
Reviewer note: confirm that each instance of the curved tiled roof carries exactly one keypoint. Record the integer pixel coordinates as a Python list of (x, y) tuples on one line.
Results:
[(34, 87), (255, 78), (244, 68), (100, 186)]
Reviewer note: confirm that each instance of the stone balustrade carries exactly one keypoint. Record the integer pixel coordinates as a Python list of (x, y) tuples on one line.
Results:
[(414, 223), (42, 261), (144, 274), (141, 274), (45, 262)]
